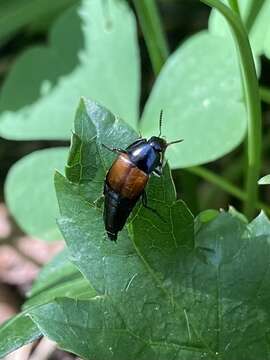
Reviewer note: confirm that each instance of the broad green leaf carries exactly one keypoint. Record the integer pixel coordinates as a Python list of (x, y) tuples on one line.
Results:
[(92, 51), (201, 96), (258, 33), (59, 278), (265, 180), (18, 13), (30, 194), (162, 291), (208, 302), (18, 331)]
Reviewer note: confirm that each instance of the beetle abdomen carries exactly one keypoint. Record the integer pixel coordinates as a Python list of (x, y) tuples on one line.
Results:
[(116, 211), (126, 179), (124, 185)]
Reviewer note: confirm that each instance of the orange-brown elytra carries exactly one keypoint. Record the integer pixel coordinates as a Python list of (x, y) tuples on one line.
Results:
[(127, 178)]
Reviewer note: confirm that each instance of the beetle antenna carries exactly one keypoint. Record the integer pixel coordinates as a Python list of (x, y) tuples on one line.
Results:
[(175, 142), (160, 122)]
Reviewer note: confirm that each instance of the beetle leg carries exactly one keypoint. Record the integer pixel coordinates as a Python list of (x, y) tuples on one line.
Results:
[(144, 198), (158, 170), (145, 201), (115, 150)]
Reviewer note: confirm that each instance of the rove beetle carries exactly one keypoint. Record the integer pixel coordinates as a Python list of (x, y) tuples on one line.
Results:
[(126, 180)]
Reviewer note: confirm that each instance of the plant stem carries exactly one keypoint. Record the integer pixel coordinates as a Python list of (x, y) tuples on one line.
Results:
[(154, 36), (252, 99), (234, 169), (224, 185), (234, 6), (217, 180)]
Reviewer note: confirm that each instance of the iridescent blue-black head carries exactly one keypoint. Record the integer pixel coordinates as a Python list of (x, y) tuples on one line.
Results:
[(157, 143)]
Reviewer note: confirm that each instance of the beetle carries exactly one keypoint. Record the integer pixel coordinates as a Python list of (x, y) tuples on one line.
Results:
[(127, 178)]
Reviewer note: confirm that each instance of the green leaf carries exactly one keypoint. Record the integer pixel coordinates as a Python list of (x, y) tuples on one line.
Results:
[(59, 278), (18, 331), (207, 215), (92, 51), (52, 273), (189, 304), (259, 31), (88, 161), (18, 13), (204, 217), (163, 291), (237, 214), (261, 225), (30, 195), (94, 330), (206, 111), (264, 180)]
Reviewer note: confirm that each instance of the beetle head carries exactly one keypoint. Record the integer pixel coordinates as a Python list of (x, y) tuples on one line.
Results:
[(159, 144)]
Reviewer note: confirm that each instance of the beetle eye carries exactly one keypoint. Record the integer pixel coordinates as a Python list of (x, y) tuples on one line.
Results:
[(158, 148)]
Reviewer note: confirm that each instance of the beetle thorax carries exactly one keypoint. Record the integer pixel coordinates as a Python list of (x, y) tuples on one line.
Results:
[(145, 157)]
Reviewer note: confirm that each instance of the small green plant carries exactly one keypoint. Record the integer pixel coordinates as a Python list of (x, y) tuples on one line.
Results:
[(191, 287)]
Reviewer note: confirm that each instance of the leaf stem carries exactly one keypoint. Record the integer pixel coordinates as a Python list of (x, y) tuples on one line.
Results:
[(217, 180), (252, 99), (234, 6), (224, 185), (154, 36)]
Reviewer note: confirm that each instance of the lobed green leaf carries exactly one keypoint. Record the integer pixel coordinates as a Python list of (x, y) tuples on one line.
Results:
[(167, 289), (163, 290)]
